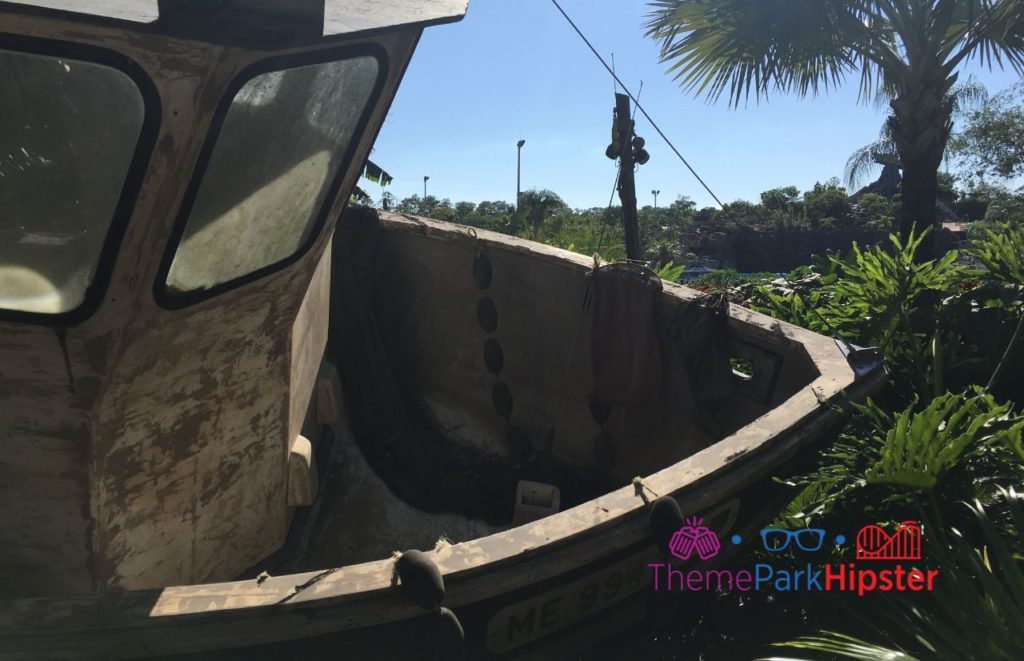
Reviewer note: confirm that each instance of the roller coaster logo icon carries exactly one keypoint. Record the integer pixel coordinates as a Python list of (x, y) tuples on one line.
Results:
[(874, 543), (694, 536)]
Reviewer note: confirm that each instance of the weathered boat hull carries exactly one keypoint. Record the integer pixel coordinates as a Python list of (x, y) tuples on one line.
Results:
[(543, 587), (164, 428)]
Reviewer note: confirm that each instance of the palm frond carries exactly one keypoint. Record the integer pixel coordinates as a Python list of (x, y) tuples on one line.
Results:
[(863, 162), (968, 95), (839, 644), (752, 47), (991, 31)]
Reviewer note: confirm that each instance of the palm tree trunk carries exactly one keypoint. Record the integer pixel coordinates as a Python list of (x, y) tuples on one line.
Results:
[(917, 211), (920, 125)]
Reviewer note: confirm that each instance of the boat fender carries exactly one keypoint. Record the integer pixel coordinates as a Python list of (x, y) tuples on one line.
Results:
[(665, 519), (421, 579)]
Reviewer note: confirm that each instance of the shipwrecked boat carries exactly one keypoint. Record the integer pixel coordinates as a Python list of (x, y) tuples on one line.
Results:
[(225, 404)]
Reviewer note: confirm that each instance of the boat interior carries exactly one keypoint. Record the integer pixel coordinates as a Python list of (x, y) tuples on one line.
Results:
[(470, 385)]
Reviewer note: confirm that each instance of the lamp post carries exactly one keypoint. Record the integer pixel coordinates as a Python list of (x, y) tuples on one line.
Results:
[(655, 194), (425, 177), (519, 163)]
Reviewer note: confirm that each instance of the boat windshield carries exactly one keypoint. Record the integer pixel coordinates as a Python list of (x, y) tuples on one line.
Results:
[(68, 131), (272, 169)]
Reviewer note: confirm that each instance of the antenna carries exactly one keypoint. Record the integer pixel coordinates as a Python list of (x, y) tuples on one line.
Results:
[(615, 79)]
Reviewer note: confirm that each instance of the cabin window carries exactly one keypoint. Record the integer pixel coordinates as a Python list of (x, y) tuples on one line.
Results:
[(272, 170), (68, 132)]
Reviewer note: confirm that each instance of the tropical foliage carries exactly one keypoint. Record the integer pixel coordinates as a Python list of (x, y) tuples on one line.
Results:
[(976, 615), (924, 448)]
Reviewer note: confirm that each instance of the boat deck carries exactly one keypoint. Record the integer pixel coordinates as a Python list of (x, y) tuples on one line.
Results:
[(356, 517)]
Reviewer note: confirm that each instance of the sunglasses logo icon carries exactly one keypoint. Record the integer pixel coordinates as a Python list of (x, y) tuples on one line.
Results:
[(776, 540)]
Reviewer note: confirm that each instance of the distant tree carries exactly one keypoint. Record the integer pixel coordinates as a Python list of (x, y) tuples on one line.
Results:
[(705, 216), (683, 207), (780, 199), (825, 204), (535, 206), (947, 190), (427, 206), (442, 210), (875, 211), (782, 206), (741, 212), (464, 211), (1003, 206), (411, 205), (665, 224), (972, 205), (489, 215), (992, 143), (494, 209)]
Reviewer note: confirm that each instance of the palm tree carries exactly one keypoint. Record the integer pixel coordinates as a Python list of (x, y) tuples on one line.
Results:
[(883, 151), (906, 51)]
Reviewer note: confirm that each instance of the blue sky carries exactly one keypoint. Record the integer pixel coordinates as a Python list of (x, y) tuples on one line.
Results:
[(515, 69)]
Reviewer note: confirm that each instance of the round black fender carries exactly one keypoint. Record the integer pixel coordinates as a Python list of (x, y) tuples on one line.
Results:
[(665, 519), (421, 579)]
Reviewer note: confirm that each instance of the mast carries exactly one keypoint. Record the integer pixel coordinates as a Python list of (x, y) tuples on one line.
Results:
[(627, 184)]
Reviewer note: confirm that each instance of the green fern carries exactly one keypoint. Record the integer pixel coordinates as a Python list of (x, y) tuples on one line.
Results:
[(670, 272), (920, 447), (1002, 253)]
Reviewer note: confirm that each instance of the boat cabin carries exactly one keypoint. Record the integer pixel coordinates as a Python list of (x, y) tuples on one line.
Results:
[(170, 176)]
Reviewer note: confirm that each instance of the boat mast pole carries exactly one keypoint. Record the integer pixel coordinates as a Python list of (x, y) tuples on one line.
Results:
[(627, 184)]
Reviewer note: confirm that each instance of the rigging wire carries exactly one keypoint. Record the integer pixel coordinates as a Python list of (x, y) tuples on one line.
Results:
[(637, 104)]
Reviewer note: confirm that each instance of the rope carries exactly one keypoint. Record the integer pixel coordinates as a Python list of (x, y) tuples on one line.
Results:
[(640, 487), (637, 104)]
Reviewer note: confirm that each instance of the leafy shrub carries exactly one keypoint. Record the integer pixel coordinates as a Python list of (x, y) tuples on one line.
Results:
[(670, 272), (877, 298), (976, 613)]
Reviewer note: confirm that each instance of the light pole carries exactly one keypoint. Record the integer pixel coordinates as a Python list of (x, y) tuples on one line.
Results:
[(425, 177), (655, 194), (519, 163)]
